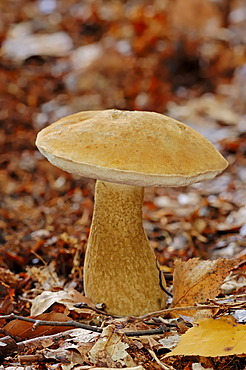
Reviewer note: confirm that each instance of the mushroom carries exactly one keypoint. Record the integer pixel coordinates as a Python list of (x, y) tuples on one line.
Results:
[(126, 151)]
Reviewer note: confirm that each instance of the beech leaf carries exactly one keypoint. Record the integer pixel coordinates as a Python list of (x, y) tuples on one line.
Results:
[(24, 329), (111, 349), (66, 297), (197, 281), (213, 338)]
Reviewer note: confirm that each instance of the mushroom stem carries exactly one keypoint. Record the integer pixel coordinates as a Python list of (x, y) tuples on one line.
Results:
[(120, 268)]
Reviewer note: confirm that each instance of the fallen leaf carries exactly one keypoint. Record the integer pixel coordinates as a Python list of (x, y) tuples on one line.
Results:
[(70, 358), (24, 329), (212, 338), (66, 297), (9, 278), (170, 341), (111, 349), (196, 281), (45, 276), (73, 350), (79, 339), (82, 340)]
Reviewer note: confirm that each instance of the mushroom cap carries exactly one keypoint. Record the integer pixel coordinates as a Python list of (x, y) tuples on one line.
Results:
[(130, 147)]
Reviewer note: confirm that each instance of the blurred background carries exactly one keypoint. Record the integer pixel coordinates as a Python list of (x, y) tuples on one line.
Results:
[(186, 59)]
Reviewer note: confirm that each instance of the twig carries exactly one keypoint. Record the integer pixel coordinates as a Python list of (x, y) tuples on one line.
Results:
[(38, 341), (45, 264), (32, 358), (232, 297), (101, 312), (171, 309), (234, 305), (162, 365), (140, 333), (38, 323), (39, 257), (231, 305), (76, 324)]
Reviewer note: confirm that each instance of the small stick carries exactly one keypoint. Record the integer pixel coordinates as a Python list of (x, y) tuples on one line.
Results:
[(190, 308), (76, 324), (38, 323), (38, 342), (161, 364), (95, 309), (31, 358), (140, 333)]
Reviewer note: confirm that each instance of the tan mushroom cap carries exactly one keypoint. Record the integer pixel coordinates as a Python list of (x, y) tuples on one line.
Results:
[(130, 147)]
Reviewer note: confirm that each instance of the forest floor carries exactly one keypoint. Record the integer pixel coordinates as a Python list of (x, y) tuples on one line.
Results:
[(61, 57)]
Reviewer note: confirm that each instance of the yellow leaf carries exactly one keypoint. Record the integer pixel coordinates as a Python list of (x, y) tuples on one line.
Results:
[(196, 281), (212, 338)]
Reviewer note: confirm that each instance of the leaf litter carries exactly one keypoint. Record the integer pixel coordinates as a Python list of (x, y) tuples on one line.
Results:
[(45, 214)]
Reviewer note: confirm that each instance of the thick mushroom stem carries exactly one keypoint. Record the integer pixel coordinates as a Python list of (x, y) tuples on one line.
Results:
[(120, 268)]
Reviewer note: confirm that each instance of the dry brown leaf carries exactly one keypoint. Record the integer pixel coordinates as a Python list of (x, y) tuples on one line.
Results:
[(213, 338), (24, 329), (66, 297), (73, 349), (196, 281), (70, 358), (111, 349), (8, 277), (81, 339), (45, 277)]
